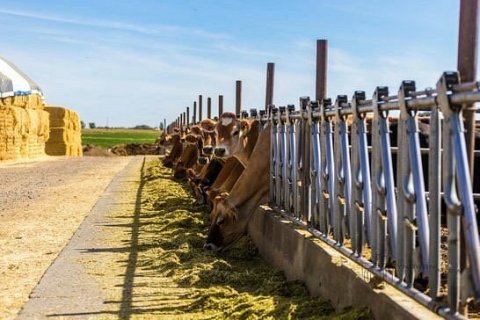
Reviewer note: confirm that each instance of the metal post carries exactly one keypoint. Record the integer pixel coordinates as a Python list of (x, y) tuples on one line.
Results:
[(181, 122), (200, 107), (188, 116), (467, 65), (184, 118), (238, 97), (321, 76), (220, 105), (194, 112), (209, 108), (269, 87)]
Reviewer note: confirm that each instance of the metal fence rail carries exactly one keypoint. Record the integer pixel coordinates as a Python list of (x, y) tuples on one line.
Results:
[(333, 171)]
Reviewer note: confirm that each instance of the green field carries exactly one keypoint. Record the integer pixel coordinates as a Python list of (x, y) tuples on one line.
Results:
[(107, 138)]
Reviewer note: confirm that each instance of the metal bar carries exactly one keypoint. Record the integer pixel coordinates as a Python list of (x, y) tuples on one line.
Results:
[(315, 171), (238, 97), (273, 158), (209, 108), (305, 162), (434, 201), (281, 164), (220, 105), (321, 70), (324, 174), (200, 113), (188, 116), (298, 168), (344, 181), (194, 112), (269, 86), (467, 65)]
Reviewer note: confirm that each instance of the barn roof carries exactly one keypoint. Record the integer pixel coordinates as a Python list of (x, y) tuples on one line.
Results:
[(14, 82)]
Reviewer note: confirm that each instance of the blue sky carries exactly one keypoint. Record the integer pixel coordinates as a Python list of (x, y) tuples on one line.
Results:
[(137, 62)]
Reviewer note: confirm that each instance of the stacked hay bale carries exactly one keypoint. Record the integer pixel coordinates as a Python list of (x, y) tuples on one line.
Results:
[(65, 132), (24, 127)]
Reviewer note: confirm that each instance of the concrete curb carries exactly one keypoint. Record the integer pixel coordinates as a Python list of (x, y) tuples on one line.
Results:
[(327, 272)]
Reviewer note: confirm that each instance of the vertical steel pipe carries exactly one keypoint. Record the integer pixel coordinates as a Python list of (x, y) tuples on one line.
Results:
[(238, 97), (467, 65), (321, 71), (200, 102), (220, 105), (209, 108), (194, 112), (269, 85)]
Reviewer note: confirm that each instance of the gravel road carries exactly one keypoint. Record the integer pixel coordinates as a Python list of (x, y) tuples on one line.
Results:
[(42, 203)]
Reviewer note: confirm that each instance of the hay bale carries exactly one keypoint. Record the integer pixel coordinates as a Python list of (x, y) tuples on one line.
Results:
[(65, 132), (26, 125)]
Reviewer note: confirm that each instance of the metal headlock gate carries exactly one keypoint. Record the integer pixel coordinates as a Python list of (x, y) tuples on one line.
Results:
[(326, 176)]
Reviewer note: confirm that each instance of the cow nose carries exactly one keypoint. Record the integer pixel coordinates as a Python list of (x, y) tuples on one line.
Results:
[(207, 150), (203, 160), (220, 151)]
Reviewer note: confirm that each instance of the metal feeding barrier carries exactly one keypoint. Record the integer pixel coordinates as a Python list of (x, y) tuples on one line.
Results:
[(333, 171), (359, 175)]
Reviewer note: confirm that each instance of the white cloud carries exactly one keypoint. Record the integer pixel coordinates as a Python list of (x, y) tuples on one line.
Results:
[(152, 30)]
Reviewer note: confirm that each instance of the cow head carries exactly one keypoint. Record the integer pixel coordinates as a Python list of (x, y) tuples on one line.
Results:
[(227, 129), (189, 156), (249, 130), (175, 152), (195, 130), (208, 136), (164, 139), (226, 227)]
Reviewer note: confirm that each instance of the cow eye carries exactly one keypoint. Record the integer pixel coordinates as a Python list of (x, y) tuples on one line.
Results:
[(235, 132)]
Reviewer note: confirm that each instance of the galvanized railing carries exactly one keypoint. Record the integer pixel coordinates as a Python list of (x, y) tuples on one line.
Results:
[(326, 176)]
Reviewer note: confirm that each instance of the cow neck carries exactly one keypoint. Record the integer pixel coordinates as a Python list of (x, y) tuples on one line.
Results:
[(254, 178)]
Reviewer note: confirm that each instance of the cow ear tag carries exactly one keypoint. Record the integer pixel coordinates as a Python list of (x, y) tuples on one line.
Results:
[(226, 121)]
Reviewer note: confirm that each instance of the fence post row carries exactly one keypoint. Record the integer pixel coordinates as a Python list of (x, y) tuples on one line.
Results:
[(332, 168)]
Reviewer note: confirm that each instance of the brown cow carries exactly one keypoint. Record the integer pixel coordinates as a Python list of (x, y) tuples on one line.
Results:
[(232, 211), (226, 135), (175, 152), (234, 165), (208, 137), (193, 143)]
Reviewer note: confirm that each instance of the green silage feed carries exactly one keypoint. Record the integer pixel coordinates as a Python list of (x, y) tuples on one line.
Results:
[(236, 284)]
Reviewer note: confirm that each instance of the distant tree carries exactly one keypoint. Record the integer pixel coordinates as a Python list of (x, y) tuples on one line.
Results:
[(82, 124), (161, 126), (92, 125), (143, 127)]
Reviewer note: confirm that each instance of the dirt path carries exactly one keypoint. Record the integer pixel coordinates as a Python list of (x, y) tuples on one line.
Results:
[(98, 249), (42, 204)]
